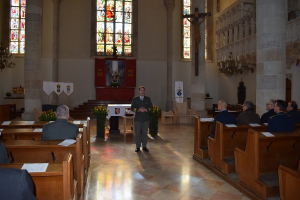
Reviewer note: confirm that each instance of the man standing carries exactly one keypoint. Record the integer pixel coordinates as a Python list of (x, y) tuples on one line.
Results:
[(225, 117), (248, 116), (61, 129), (292, 111), (281, 122), (141, 105), (270, 108)]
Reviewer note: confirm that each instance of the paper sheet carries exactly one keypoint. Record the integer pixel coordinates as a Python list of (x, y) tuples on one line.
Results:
[(0, 131), (29, 122), (76, 122), (80, 129), (6, 122), (38, 130), (67, 142), (230, 125), (51, 121), (268, 134), (266, 124), (83, 122), (254, 124), (35, 167), (206, 119)]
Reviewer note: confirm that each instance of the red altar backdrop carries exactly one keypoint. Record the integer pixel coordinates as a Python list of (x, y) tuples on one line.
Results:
[(127, 78)]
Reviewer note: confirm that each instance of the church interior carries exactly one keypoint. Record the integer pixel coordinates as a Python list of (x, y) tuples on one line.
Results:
[(253, 43)]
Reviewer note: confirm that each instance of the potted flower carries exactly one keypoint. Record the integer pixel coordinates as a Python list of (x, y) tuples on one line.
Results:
[(154, 114), (8, 94), (48, 116), (100, 112), (207, 95), (115, 84)]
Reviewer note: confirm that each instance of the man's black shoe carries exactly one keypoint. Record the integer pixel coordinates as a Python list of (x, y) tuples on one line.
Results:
[(137, 150), (145, 149)]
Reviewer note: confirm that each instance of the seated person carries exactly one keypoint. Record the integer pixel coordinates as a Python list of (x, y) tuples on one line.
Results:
[(248, 115), (292, 111), (3, 154), (224, 116), (270, 108), (60, 129), (16, 184), (281, 122)]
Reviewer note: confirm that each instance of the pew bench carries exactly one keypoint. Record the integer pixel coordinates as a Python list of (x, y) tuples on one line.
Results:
[(202, 129), (289, 183), (36, 124), (48, 151), (221, 148), (56, 183), (257, 166)]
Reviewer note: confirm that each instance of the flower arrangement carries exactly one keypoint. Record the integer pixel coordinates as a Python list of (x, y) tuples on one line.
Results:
[(114, 84), (8, 94), (100, 112), (48, 116), (154, 114)]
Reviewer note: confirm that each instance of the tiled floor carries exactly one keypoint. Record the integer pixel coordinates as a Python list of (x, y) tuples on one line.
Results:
[(168, 171)]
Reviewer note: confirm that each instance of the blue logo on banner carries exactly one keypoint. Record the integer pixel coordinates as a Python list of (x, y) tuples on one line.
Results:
[(179, 93)]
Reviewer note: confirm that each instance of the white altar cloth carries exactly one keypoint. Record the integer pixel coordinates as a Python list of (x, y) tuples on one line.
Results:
[(117, 109)]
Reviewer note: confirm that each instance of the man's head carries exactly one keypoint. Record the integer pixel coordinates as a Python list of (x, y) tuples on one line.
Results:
[(62, 112), (222, 104), (292, 105), (248, 105), (270, 105), (142, 91), (280, 106)]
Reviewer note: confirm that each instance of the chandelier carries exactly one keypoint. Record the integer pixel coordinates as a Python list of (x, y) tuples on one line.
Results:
[(230, 65), (7, 60)]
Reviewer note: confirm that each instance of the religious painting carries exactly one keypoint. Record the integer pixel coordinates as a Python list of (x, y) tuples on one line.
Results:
[(109, 39), (14, 12), (100, 38), (127, 29), (15, 2), (22, 35), (14, 47), (101, 5), (186, 53), (119, 6), (23, 11), (186, 32), (14, 24), (128, 17), (100, 27), (186, 10), (127, 39), (110, 11), (119, 38), (127, 50), (100, 49), (119, 50), (99, 72), (119, 28), (22, 47), (100, 15), (187, 2), (119, 17), (186, 22), (115, 70), (23, 2), (109, 50), (187, 42), (127, 6), (22, 23), (130, 72), (14, 35), (109, 28)]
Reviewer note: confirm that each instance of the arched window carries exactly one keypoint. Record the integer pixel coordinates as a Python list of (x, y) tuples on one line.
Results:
[(114, 27), (186, 30), (17, 26)]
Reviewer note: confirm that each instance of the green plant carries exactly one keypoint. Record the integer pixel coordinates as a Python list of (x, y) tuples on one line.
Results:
[(100, 112), (48, 116), (154, 114), (207, 95), (8, 94), (114, 84)]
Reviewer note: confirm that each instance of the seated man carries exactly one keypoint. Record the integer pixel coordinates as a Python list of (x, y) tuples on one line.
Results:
[(60, 129), (292, 111), (3, 154), (281, 122), (224, 116), (248, 116), (16, 184), (270, 108)]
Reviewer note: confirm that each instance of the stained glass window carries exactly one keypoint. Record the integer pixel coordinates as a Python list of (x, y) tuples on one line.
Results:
[(17, 26), (186, 30), (114, 27)]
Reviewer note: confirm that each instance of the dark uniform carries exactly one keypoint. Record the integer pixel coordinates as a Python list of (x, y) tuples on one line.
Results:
[(141, 119), (247, 117), (225, 117), (295, 115), (281, 123), (3, 154), (266, 116), (61, 129)]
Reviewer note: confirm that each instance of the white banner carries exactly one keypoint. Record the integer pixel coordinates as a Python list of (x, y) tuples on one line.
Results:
[(179, 91), (58, 87), (48, 87), (68, 88)]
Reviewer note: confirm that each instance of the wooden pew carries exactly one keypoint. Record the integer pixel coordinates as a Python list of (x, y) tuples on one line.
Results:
[(221, 148), (202, 129), (48, 151), (289, 183), (56, 183), (39, 124), (257, 166), (23, 134)]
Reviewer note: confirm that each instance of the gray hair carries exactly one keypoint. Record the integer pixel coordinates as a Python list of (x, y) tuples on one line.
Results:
[(62, 111), (272, 102), (249, 104)]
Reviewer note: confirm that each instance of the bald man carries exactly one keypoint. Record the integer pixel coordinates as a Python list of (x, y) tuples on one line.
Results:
[(224, 117)]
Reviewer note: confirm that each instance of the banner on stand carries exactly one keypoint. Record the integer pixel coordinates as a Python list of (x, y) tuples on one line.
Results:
[(179, 91), (48, 87), (59, 87), (68, 88)]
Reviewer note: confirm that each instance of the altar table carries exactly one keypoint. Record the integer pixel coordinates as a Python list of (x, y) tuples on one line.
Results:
[(114, 111)]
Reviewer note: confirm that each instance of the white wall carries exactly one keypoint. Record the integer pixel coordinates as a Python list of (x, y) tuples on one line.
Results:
[(295, 70)]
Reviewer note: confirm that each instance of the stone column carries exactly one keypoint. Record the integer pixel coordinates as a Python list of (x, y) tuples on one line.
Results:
[(32, 65), (270, 52), (235, 36), (55, 46), (198, 82), (170, 4), (231, 34)]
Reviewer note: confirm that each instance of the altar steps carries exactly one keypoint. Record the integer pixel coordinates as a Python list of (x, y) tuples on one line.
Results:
[(83, 111)]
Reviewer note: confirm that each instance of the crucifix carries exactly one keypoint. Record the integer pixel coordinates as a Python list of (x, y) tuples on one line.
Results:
[(197, 36)]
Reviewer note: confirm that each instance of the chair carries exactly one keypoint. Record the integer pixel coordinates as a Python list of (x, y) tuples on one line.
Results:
[(165, 114), (182, 113)]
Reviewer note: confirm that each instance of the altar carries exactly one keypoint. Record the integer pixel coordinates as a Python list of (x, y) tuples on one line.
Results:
[(114, 111)]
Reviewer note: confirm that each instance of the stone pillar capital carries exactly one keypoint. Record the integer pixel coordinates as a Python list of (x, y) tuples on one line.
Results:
[(170, 4)]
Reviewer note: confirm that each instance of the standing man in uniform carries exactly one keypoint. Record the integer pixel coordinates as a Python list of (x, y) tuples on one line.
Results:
[(141, 105), (281, 122)]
